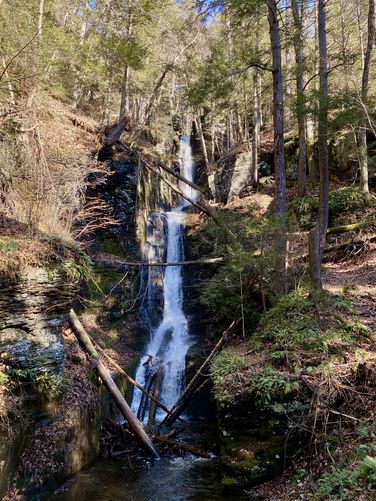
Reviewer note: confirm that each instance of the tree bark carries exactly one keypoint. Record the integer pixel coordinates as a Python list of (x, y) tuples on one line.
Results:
[(362, 136), (278, 121), (279, 149), (256, 125), (318, 234), (184, 447), (124, 100), (76, 85), (200, 131), (40, 17), (298, 12)]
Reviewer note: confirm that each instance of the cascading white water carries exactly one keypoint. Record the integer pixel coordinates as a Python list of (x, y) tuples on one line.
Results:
[(169, 342)]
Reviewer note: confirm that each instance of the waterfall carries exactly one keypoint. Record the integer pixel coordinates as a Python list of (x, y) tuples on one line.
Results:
[(169, 335)]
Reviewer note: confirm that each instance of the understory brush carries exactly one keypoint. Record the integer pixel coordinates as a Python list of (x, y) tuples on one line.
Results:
[(354, 470), (248, 280), (311, 363), (52, 253), (342, 202)]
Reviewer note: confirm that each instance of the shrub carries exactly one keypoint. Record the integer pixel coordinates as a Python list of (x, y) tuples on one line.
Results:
[(270, 385), (227, 363), (342, 201), (305, 209), (303, 326)]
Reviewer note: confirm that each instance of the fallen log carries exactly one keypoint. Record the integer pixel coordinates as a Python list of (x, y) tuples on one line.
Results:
[(344, 245), (182, 446), (105, 375), (349, 227), (120, 263), (131, 380), (190, 390)]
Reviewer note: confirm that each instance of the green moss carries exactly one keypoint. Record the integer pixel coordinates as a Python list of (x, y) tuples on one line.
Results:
[(102, 281), (304, 325), (245, 460), (304, 332), (112, 246), (228, 481), (11, 246), (4, 378)]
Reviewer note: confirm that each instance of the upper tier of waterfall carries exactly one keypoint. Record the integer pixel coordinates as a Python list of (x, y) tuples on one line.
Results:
[(163, 363)]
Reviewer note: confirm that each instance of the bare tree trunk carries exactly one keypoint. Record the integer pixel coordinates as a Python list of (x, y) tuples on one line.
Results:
[(9, 84), (298, 12), (311, 124), (256, 126), (362, 136), (279, 149), (360, 31), (212, 144), (202, 140), (124, 101), (318, 233), (76, 85), (40, 17), (288, 68)]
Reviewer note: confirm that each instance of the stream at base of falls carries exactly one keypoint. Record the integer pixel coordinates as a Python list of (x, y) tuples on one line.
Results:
[(182, 477)]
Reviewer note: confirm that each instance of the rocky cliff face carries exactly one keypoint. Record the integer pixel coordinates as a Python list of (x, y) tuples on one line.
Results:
[(31, 313)]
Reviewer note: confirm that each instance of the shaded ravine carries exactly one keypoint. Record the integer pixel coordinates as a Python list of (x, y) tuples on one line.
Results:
[(164, 360), (181, 477)]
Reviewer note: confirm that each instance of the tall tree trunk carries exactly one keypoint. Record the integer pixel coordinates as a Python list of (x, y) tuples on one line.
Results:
[(318, 233), (312, 120), (279, 149), (212, 143), (360, 31), (362, 136), (200, 131), (12, 94), (124, 100), (76, 85), (288, 68), (256, 126), (298, 12), (278, 122), (40, 17)]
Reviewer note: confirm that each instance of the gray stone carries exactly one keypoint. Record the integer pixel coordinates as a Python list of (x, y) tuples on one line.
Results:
[(31, 313)]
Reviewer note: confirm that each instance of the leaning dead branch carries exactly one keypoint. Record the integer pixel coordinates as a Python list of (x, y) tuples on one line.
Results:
[(190, 390), (120, 263), (131, 380), (201, 204), (105, 375)]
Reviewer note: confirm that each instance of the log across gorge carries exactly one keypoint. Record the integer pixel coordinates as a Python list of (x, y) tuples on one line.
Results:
[(162, 368)]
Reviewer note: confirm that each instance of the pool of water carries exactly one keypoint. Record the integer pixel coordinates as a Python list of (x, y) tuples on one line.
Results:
[(179, 479)]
